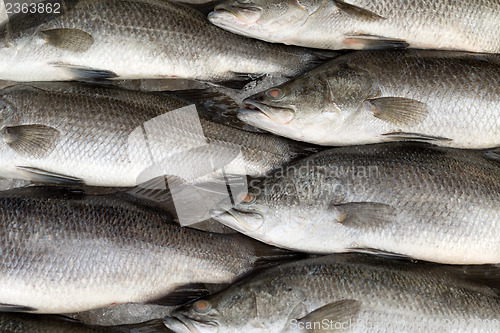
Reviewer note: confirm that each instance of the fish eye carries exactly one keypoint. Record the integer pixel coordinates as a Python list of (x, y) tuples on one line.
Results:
[(248, 198), (202, 306), (275, 93)]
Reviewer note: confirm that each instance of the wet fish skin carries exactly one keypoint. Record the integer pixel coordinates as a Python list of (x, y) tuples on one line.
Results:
[(410, 199), (25, 323), (363, 24), (96, 134), (65, 251), (368, 294), (450, 99), (135, 43)]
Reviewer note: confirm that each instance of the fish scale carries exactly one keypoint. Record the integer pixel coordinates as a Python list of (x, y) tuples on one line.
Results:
[(450, 99), (101, 140), (365, 24), (398, 296), (420, 201), (65, 251), (137, 39)]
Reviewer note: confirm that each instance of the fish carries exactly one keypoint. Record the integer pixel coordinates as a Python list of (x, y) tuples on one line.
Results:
[(65, 251), (451, 99), (101, 136), (348, 293), (26, 322), (410, 200), (135, 39), (364, 24)]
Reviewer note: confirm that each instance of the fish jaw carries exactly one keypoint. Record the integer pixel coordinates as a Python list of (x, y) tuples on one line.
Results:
[(289, 130), (273, 119), (242, 21), (246, 223), (177, 325), (237, 14), (182, 324)]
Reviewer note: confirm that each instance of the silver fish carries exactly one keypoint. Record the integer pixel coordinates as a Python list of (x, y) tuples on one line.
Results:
[(409, 199), (467, 25), (451, 99), (132, 39), (30, 323), (64, 251), (110, 137), (347, 293)]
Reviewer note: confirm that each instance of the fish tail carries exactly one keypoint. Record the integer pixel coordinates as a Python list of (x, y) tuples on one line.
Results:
[(302, 149), (267, 255), (319, 57), (152, 326)]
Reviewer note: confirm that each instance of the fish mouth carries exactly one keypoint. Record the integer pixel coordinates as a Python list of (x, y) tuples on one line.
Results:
[(182, 324), (278, 115), (236, 219), (242, 14)]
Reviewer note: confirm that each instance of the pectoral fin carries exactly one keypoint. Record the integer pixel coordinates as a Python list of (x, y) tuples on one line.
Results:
[(380, 253), (336, 312), (36, 141), (363, 215), (86, 73), (44, 176), (398, 110), (73, 40), (15, 308), (405, 136), (373, 42)]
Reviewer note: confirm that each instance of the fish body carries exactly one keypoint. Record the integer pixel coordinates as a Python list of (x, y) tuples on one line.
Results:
[(65, 251), (450, 99), (116, 138), (405, 199), (30, 323), (352, 293), (363, 24), (134, 39)]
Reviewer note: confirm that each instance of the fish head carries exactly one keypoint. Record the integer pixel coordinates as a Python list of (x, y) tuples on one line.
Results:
[(231, 311), (313, 107), (297, 109), (271, 209), (245, 213), (273, 21)]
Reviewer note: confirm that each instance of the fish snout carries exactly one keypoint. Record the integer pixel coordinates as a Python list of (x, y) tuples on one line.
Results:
[(279, 115), (244, 14)]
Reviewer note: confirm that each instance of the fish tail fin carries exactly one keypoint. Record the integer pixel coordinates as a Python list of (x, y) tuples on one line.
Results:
[(216, 104), (319, 57), (492, 154), (302, 149), (213, 98), (152, 326), (268, 255)]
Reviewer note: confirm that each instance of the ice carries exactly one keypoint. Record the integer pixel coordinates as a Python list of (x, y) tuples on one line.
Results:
[(7, 184)]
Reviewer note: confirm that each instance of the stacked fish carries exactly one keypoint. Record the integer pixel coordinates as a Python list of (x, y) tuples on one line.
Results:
[(380, 138)]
